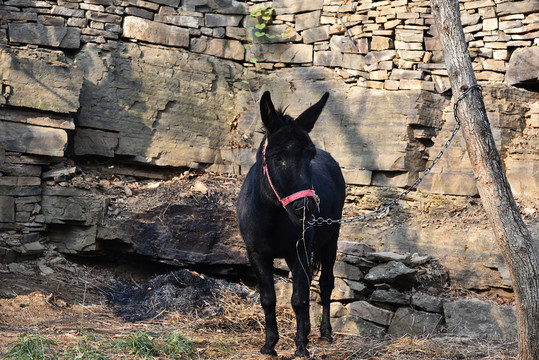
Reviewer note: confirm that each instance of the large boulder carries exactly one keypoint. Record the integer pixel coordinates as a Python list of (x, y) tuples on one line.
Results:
[(481, 319), (523, 67)]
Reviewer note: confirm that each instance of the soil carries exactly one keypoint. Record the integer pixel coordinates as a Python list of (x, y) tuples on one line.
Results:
[(112, 298), (223, 320)]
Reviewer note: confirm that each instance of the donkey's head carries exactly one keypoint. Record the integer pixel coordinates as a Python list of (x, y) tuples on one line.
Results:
[(287, 154)]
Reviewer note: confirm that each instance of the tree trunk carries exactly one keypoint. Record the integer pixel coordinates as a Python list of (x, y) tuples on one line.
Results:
[(511, 233)]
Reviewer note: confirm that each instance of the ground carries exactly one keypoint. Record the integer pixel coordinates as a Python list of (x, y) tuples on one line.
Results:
[(74, 310), (83, 307)]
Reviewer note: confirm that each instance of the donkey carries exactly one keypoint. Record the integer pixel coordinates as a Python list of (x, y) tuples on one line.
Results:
[(291, 182)]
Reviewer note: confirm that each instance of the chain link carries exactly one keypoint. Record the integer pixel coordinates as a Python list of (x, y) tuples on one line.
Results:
[(384, 209)]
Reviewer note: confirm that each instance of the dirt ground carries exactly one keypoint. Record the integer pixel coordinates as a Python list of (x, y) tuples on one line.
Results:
[(76, 301), (78, 304)]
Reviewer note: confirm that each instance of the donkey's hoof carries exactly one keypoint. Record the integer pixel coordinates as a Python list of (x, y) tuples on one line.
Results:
[(326, 338), (268, 350), (302, 352)]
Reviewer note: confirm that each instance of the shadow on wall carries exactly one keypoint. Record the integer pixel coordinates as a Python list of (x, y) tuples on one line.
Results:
[(153, 105)]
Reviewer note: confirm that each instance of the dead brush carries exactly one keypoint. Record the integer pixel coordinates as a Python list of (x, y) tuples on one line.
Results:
[(426, 348)]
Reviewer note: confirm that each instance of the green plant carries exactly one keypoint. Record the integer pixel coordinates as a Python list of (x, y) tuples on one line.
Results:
[(264, 17), (140, 343), (32, 347), (87, 348), (179, 346), (223, 348)]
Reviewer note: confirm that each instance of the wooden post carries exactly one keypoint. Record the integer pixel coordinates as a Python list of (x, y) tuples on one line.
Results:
[(513, 237)]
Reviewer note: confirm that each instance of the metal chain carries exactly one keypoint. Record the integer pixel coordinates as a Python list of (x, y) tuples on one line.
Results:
[(321, 221)]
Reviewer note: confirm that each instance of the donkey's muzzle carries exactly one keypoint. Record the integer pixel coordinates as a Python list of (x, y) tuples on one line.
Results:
[(301, 209)]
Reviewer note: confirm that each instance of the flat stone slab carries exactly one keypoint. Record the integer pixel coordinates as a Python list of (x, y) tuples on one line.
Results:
[(40, 79), (33, 139), (286, 53), (523, 66), (228, 49), (355, 325), (369, 312), (481, 319), (393, 272), (408, 322), (65, 37), (154, 32)]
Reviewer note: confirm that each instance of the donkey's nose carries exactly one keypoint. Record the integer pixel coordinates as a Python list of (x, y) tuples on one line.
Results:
[(302, 208)]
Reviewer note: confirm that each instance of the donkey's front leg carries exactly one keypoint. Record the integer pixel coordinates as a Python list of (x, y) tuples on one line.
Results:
[(264, 274), (327, 281), (300, 303)]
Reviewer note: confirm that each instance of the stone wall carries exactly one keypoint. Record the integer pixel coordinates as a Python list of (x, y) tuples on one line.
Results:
[(378, 293), (174, 83)]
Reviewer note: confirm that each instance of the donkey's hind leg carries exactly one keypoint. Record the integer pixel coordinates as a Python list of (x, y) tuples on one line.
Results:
[(327, 282)]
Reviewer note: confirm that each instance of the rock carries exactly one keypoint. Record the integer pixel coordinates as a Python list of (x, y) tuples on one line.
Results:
[(283, 291), (347, 271), (7, 209), (95, 142), (328, 58), (390, 296), (354, 325), (168, 123), (408, 322), (33, 139), (17, 268), (293, 7), (228, 49), (285, 53), (353, 248), (154, 32), (343, 44), (55, 36), (60, 205), (43, 80), (394, 273), (343, 291), (517, 7), (337, 309), (74, 239), (386, 256), (428, 303), (357, 177), (417, 260), (56, 174), (307, 20), (179, 20), (315, 34), (218, 6), (450, 183), (370, 312), (480, 319), (33, 248), (215, 20), (409, 35), (184, 236), (45, 270), (358, 288), (523, 67)]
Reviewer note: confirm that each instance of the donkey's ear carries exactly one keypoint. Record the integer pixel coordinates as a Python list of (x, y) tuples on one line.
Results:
[(307, 119), (268, 113)]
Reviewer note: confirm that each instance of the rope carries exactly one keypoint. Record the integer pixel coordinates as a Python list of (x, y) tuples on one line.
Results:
[(321, 221)]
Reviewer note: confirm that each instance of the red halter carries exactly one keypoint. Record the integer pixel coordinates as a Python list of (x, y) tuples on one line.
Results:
[(287, 200)]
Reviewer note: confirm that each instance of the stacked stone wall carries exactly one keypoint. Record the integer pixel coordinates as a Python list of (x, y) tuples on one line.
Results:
[(174, 83)]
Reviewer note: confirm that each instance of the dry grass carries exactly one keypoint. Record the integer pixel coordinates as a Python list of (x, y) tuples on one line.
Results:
[(236, 333)]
